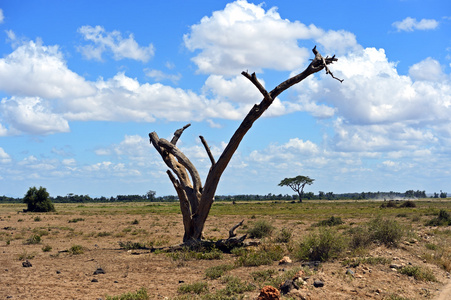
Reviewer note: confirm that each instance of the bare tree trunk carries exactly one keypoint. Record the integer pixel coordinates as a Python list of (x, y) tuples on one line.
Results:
[(195, 200)]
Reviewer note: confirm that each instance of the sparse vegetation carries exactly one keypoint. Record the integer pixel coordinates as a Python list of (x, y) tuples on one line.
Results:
[(443, 219), (419, 273), (321, 246), (332, 221), (385, 231), (140, 294), (260, 229), (195, 288), (32, 240), (76, 250), (217, 271)]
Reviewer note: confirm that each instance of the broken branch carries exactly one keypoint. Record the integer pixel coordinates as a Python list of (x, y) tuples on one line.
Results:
[(204, 142)]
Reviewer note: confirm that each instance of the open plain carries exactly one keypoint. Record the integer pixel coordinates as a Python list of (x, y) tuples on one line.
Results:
[(100, 251)]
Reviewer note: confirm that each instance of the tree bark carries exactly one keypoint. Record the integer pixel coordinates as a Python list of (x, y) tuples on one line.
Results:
[(195, 200)]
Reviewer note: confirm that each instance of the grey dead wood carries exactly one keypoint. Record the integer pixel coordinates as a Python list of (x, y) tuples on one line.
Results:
[(196, 199)]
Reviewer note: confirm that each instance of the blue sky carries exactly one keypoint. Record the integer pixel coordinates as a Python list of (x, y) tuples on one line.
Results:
[(82, 83)]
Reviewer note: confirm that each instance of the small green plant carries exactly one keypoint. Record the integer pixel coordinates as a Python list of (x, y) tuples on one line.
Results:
[(359, 238), (46, 248), (431, 246), (387, 232), (76, 250), (132, 245), (37, 219), (25, 255), (260, 229), (321, 246), (103, 234), (332, 221), (217, 271), (75, 220), (443, 219), (418, 273), (196, 288), (263, 275), (135, 222), (234, 286), (140, 294), (284, 236), (264, 255), (33, 240)]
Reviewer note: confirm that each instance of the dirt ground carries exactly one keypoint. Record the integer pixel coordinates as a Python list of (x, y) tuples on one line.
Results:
[(59, 274)]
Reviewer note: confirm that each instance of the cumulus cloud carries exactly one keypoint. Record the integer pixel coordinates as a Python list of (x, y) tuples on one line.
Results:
[(245, 36), (2, 17), (34, 69), (380, 109), (103, 41), (32, 115), (411, 24)]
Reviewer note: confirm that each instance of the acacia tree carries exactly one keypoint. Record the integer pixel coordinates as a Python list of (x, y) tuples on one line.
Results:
[(297, 184), (196, 199), (38, 200)]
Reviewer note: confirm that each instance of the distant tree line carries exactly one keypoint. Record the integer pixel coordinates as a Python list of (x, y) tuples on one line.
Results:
[(151, 197)]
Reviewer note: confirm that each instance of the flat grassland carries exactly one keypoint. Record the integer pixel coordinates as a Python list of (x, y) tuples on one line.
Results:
[(409, 260)]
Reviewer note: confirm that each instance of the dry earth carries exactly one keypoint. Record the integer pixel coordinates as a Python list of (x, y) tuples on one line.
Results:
[(58, 274)]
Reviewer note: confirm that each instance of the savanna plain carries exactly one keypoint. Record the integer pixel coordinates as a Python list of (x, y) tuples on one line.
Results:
[(356, 249)]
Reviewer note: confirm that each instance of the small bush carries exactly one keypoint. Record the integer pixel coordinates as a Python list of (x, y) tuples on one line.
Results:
[(389, 204), (260, 229), (132, 245), (76, 249), (359, 238), (196, 288), (263, 275), (408, 203), (46, 248), (264, 255), (321, 246), (37, 219), (443, 219), (140, 294), (32, 240), (234, 285), (332, 221), (418, 273), (387, 232), (284, 236), (76, 220), (217, 271), (135, 222)]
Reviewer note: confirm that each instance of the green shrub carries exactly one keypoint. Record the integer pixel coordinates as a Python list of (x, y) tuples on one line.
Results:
[(321, 246), (387, 232), (359, 238), (284, 236), (132, 245), (135, 222), (76, 249), (46, 248), (234, 285), (38, 200), (32, 240), (263, 255), (408, 203), (332, 221), (37, 219), (389, 204), (418, 273), (443, 219), (260, 229), (263, 275), (75, 220), (140, 294), (196, 288), (217, 271)]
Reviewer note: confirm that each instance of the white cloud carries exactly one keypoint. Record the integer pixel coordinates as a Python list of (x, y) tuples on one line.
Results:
[(2, 17), (32, 115), (245, 36), (113, 41), (33, 69), (428, 69), (411, 24), (4, 157), (159, 75)]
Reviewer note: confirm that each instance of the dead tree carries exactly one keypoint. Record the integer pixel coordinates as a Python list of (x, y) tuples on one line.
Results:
[(195, 199)]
